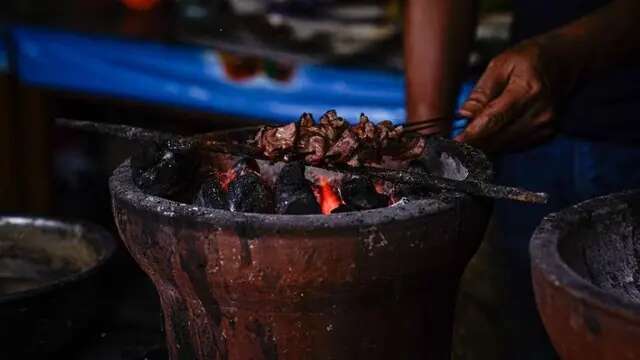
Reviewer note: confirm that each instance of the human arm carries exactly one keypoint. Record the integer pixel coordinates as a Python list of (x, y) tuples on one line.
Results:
[(437, 39)]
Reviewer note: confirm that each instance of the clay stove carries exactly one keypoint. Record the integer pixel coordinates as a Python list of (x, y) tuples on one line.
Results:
[(586, 278), (375, 284)]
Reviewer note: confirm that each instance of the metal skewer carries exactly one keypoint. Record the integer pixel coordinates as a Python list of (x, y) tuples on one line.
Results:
[(207, 142)]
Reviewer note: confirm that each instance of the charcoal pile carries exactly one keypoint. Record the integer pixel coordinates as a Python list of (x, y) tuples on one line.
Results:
[(242, 187), (182, 174)]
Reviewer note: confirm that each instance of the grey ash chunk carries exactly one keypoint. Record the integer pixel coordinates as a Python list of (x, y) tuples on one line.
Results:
[(294, 194), (159, 170)]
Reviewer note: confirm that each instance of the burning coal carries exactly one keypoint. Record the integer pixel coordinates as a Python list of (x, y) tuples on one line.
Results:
[(327, 197)]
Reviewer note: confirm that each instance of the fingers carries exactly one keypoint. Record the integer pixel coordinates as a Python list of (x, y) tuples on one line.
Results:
[(488, 87), (509, 105)]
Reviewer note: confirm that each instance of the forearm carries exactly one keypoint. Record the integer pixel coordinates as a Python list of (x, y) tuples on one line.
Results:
[(438, 36), (606, 37)]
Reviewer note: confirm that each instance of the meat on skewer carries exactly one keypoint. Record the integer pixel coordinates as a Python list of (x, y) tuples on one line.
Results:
[(333, 141)]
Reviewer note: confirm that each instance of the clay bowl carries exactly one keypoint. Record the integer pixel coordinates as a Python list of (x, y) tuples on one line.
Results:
[(48, 282), (586, 276), (378, 284)]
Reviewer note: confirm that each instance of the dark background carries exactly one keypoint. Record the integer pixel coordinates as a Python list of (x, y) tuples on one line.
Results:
[(45, 170)]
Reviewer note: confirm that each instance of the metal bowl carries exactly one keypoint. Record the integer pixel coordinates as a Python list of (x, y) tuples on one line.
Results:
[(48, 282)]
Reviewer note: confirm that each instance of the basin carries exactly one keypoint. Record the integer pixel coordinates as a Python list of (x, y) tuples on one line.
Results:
[(586, 275)]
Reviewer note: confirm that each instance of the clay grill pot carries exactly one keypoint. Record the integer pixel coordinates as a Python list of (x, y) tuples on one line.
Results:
[(586, 266), (377, 284)]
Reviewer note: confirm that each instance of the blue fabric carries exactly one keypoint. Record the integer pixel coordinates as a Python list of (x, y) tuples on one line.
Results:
[(195, 78), (571, 170), (602, 107)]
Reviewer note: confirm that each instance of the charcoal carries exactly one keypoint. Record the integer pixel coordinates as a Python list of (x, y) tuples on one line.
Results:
[(210, 195), (292, 175), (245, 165), (248, 193), (360, 193), (294, 194), (161, 170), (411, 192), (342, 209)]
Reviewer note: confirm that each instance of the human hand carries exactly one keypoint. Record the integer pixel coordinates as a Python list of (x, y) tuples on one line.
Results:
[(512, 105)]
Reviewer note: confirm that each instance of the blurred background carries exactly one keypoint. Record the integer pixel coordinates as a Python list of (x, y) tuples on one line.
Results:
[(190, 66)]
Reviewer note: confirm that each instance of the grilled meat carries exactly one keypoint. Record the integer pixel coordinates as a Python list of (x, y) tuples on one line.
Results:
[(332, 140)]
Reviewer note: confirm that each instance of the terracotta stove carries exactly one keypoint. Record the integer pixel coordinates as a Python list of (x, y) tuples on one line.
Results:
[(375, 284), (586, 266)]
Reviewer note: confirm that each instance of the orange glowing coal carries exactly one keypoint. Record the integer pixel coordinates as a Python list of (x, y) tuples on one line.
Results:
[(226, 178), (327, 198)]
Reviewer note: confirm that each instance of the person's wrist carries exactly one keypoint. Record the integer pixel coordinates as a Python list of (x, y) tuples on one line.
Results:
[(440, 122)]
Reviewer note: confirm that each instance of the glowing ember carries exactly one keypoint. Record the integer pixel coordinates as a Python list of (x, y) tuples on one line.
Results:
[(379, 184), (327, 198), (240, 168), (226, 178)]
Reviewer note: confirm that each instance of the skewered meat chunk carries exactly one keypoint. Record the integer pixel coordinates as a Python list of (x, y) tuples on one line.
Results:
[(277, 141), (311, 142), (314, 148), (413, 149), (365, 130), (332, 140), (344, 148), (332, 126)]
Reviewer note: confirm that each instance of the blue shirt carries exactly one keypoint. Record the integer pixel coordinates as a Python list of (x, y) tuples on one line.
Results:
[(602, 107)]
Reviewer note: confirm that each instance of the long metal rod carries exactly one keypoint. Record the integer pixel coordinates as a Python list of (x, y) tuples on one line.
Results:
[(472, 187)]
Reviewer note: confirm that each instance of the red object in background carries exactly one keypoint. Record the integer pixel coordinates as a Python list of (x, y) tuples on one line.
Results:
[(140, 4), (239, 68)]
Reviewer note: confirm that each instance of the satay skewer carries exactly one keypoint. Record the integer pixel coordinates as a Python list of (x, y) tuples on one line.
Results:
[(208, 142)]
